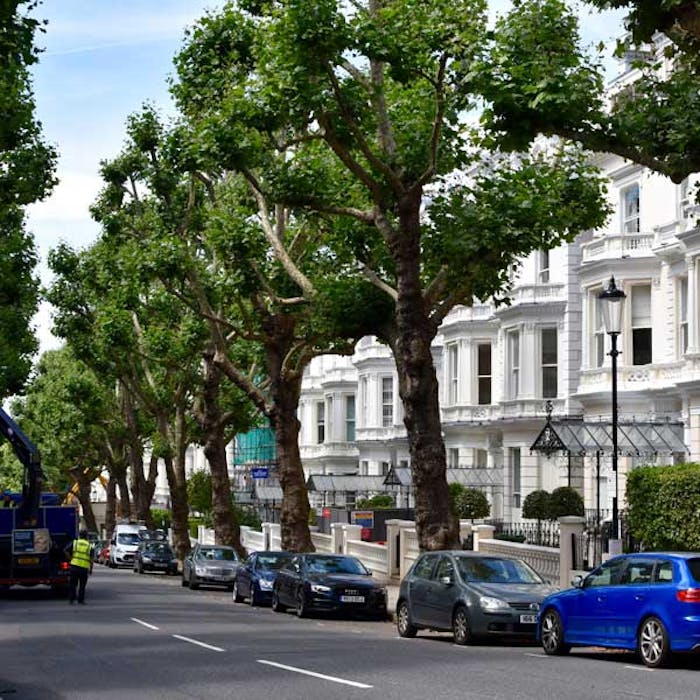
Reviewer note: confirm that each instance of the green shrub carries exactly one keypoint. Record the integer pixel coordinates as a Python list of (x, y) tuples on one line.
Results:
[(377, 502), (509, 538), (469, 503), (537, 505), (161, 518), (662, 506), (565, 501)]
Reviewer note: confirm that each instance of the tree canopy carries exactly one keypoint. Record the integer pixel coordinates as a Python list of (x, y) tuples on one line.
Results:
[(26, 175)]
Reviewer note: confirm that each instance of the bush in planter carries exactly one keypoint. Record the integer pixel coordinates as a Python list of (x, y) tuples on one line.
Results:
[(662, 506)]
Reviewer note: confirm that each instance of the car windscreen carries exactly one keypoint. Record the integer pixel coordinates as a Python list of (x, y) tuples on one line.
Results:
[(494, 570), (272, 562), (128, 538), (216, 554), (335, 565), (694, 568), (159, 548)]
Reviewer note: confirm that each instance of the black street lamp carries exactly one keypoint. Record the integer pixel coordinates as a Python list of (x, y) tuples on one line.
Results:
[(612, 317)]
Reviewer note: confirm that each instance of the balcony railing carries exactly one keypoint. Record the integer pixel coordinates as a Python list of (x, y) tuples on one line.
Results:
[(618, 245)]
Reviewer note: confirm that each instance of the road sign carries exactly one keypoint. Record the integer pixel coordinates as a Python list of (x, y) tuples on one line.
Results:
[(260, 473)]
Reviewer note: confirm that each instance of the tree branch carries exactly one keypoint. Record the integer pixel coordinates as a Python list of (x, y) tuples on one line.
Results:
[(437, 123), (374, 278)]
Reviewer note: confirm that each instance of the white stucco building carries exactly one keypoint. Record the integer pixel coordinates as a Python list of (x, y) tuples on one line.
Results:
[(498, 366)]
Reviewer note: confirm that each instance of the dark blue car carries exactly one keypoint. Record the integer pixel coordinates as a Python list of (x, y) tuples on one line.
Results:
[(646, 602), (255, 578)]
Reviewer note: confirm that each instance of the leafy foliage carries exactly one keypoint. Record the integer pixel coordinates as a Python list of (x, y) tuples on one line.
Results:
[(377, 502), (537, 505), (26, 175), (469, 502), (662, 507), (563, 501), (199, 492)]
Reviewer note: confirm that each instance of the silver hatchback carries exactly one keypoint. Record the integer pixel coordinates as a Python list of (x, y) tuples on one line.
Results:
[(472, 595)]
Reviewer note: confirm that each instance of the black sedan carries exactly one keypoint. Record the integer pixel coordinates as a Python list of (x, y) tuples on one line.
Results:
[(210, 565), (255, 578), (155, 556), (471, 594), (328, 583)]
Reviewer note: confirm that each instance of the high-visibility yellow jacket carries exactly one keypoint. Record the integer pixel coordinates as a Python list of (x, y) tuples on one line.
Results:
[(82, 551)]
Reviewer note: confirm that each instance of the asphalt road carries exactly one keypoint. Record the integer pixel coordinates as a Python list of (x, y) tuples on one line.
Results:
[(146, 637)]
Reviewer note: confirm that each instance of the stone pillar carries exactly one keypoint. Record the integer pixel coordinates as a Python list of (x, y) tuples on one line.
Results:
[(482, 532), (465, 529), (337, 542), (393, 544), (245, 529), (570, 531), (351, 532), (275, 534), (265, 527)]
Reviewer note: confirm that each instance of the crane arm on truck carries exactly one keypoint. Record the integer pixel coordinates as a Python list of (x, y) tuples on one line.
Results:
[(28, 455)]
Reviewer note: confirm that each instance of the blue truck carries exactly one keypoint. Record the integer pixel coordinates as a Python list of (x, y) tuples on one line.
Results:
[(35, 532)]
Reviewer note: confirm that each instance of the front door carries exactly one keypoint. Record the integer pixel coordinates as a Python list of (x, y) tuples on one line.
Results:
[(419, 586)]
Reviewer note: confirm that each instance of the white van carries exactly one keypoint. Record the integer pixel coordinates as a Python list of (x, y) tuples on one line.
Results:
[(124, 543)]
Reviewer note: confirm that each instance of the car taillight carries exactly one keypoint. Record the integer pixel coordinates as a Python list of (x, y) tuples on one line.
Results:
[(64, 566), (688, 595)]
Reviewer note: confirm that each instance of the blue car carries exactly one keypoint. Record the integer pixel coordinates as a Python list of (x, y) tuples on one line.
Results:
[(255, 578), (647, 602)]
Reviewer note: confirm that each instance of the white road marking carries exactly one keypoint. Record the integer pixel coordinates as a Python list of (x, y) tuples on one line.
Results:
[(198, 643), (537, 656), (145, 624), (304, 672), (639, 668)]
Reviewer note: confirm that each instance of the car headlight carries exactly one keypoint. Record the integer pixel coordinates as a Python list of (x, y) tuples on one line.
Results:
[(200, 571), (265, 585), (146, 559), (318, 588), (489, 603)]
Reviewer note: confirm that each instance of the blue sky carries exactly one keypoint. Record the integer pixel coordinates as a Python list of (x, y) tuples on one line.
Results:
[(102, 60)]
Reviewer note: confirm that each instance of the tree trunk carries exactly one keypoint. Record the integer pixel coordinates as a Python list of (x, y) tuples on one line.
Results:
[(227, 531), (436, 525), (178, 507), (285, 388), (142, 490), (177, 440), (124, 508), (84, 482), (111, 507)]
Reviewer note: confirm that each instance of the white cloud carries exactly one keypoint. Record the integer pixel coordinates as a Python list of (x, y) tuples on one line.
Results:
[(70, 199)]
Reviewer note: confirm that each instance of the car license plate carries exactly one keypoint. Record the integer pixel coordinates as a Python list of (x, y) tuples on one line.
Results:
[(28, 560), (158, 565), (352, 599), (528, 619)]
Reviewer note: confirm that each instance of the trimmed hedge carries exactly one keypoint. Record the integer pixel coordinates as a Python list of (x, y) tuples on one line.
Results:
[(663, 506)]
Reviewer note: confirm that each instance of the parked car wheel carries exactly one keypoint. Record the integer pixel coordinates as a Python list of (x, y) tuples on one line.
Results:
[(403, 621), (461, 629), (183, 581), (652, 643), (253, 599), (301, 609), (235, 594), (552, 634), (140, 568), (193, 583), (276, 605)]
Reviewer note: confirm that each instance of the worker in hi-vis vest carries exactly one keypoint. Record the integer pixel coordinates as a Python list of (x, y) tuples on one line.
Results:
[(80, 552)]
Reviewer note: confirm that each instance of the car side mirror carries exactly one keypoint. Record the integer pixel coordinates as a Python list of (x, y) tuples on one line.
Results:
[(447, 580), (577, 582)]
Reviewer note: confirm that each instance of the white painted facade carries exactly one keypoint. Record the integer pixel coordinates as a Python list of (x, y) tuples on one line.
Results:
[(548, 344)]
